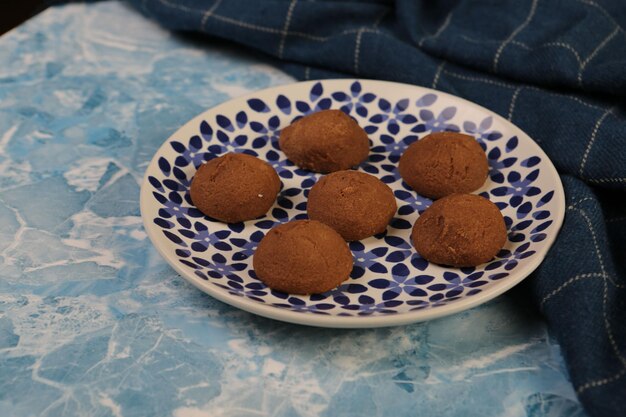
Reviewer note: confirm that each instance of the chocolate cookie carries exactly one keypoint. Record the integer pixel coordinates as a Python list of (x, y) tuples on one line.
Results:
[(459, 230), (444, 163), (355, 204), (302, 257), (234, 187), (326, 141)]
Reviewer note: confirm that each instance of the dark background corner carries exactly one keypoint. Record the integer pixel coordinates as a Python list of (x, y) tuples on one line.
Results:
[(12, 13)]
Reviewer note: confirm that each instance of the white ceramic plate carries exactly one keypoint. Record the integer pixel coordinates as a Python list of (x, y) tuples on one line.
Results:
[(390, 284)]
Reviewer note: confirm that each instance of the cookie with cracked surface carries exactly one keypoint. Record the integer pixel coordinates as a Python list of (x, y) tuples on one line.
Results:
[(444, 163), (459, 230), (234, 187), (302, 257)]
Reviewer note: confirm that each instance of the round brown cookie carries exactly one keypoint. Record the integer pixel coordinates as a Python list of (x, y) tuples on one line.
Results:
[(302, 257), (326, 141), (444, 163), (355, 204), (460, 230), (234, 187)]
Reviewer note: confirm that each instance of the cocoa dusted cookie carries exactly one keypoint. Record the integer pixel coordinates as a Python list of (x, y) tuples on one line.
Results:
[(355, 204), (460, 230), (326, 141), (234, 187), (444, 163), (302, 257)]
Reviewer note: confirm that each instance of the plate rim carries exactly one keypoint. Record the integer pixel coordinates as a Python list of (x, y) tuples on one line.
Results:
[(365, 321)]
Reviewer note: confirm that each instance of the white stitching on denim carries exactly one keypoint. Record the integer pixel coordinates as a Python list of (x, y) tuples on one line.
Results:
[(591, 106), (209, 13), (566, 46), (583, 65), (267, 29), (522, 44), (592, 139), (602, 180), (595, 240), (566, 283), (246, 25), (479, 79), (325, 38), (283, 37), (576, 99), (221, 18), (321, 38), (607, 324), (593, 234), (380, 18), (600, 382), (582, 200), (600, 46), (481, 41), (513, 101), (357, 48), (528, 48), (178, 6), (604, 12), (544, 45), (496, 58), (439, 31), (438, 73), (307, 73), (357, 51)]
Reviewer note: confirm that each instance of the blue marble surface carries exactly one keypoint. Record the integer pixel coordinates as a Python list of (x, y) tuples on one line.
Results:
[(94, 323)]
